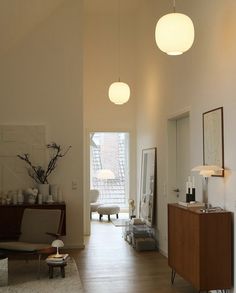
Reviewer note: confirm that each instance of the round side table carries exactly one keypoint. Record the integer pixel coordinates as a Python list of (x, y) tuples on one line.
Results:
[(51, 267)]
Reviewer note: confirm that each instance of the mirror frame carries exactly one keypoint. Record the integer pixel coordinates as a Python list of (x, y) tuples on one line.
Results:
[(213, 145), (148, 181)]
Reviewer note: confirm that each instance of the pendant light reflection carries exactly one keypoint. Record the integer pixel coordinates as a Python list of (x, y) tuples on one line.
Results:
[(119, 92), (174, 33)]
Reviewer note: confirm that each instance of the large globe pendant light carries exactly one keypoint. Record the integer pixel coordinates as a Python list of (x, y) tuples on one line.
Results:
[(174, 33), (119, 92)]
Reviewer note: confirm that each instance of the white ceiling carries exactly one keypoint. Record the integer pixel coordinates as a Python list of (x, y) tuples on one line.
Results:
[(20, 17)]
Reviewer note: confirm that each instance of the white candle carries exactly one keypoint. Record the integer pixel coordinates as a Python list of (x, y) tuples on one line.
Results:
[(186, 187), (193, 182)]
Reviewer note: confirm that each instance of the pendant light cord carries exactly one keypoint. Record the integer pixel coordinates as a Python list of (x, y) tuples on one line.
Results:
[(174, 6), (119, 40)]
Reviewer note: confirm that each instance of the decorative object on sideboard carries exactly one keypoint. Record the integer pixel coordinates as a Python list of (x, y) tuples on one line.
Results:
[(54, 191), (213, 139), (32, 195), (174, 33), (206, 172), (190, 189), (40, 174)]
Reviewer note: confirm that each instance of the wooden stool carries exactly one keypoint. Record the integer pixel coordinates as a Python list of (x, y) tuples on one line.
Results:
[(51, 266)]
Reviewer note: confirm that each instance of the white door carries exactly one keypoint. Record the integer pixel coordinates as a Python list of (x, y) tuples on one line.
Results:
[(179, 158)]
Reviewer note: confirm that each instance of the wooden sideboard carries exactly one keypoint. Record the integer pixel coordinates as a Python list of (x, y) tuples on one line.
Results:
[(11, 216), (200, 247)]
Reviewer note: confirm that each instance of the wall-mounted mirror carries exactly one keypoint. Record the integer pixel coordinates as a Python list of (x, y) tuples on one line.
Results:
[(148, 186), (213, 139)]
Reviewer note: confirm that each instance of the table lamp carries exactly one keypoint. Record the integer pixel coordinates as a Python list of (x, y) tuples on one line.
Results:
[(206, 171), (57, 243)]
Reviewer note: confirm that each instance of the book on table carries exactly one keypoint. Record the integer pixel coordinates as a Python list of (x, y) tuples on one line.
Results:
[(55, 259)]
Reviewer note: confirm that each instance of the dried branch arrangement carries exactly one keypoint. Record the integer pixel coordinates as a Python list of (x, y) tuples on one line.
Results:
[(38, 173)]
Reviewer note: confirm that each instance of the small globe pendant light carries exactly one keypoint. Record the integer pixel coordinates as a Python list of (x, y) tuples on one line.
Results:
[(174, 33), (119, 92)]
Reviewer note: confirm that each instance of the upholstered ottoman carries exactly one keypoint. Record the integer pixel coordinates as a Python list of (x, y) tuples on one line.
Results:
[(108, 209)]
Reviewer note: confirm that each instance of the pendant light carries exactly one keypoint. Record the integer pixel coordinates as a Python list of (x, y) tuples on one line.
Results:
[(174, 33), (119, 92)]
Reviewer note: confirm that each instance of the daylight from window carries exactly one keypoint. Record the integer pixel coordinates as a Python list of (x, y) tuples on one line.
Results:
[(109, 166)]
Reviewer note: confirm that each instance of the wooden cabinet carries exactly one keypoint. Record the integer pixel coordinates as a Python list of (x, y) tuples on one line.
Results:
[(11, 216), (200, 247)]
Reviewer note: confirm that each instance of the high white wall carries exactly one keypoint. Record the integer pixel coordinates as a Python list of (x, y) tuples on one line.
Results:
[(201, 79), (101, 46), (41, 83)]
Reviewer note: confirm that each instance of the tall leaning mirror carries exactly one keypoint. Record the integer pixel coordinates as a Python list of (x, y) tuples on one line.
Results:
[(148, 186), (213, 139)]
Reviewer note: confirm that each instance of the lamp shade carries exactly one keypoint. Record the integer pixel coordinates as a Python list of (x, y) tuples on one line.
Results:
[(105, 174), (57, 243), (174, 33), (207, 170), (119, 93)]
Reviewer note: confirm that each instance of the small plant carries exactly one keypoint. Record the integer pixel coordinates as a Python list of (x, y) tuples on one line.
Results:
[(38, 173)]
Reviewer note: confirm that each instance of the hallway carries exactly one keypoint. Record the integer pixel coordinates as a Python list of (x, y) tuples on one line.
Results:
[(109, 264)]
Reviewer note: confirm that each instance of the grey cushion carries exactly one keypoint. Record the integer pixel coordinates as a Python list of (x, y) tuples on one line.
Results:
[(23, 246)]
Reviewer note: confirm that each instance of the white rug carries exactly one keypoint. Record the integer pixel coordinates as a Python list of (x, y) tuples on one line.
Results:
[(120, 222), (22, 277)]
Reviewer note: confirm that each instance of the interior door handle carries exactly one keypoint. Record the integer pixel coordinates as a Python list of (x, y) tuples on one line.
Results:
[(176, 190)]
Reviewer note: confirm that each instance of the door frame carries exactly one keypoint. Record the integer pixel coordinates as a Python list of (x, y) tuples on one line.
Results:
[(132, 170), (171, 155)]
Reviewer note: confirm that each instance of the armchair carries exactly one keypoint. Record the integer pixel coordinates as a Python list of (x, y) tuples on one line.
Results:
[(94, 204), (39, 227)]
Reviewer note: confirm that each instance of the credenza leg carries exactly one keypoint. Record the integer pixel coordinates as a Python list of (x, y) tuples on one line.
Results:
[(173, 273)]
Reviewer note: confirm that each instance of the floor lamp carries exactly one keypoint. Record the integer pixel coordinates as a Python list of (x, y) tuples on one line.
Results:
[(206, 171)]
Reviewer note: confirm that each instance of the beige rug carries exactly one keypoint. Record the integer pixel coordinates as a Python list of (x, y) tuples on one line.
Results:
[(22, 277)]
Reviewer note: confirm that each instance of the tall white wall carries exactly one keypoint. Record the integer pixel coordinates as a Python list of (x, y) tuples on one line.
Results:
[(101, 46), (41, 84), (201, 79)]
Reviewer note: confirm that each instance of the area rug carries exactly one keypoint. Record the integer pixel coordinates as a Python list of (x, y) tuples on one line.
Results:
[(22, 277), (120, 222)]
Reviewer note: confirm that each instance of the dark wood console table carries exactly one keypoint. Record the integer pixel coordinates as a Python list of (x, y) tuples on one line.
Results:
[(200, 247), (11, 216)]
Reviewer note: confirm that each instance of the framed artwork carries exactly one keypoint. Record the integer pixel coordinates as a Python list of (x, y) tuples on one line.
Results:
[(213, 139), (148, 186)]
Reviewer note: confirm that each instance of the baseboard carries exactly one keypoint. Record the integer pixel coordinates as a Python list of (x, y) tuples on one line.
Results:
[(164, 253)]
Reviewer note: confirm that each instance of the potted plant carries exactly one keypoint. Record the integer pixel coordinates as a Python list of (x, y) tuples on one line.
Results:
[(38, 173)]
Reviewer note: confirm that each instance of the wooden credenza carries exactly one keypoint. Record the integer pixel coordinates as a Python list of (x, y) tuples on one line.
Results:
[(11, 217), (200, 247)]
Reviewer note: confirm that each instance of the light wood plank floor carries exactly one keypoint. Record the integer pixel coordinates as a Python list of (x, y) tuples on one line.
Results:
[(109, 264)]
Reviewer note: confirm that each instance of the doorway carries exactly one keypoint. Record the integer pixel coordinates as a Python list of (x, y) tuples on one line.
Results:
[(109, 168), (178, 157)]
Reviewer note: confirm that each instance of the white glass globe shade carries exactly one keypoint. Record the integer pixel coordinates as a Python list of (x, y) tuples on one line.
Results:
[(119, 93), (174, 33)]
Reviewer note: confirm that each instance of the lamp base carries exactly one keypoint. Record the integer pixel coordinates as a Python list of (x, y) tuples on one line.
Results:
[(58, 255)]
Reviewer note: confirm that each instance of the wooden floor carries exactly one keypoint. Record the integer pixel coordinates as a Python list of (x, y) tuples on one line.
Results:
[(109, 264)]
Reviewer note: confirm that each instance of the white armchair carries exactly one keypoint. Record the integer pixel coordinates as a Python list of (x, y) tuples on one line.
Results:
[(94, 204)]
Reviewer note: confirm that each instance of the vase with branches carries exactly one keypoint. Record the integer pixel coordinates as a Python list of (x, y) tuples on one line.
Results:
[(38, 173)]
